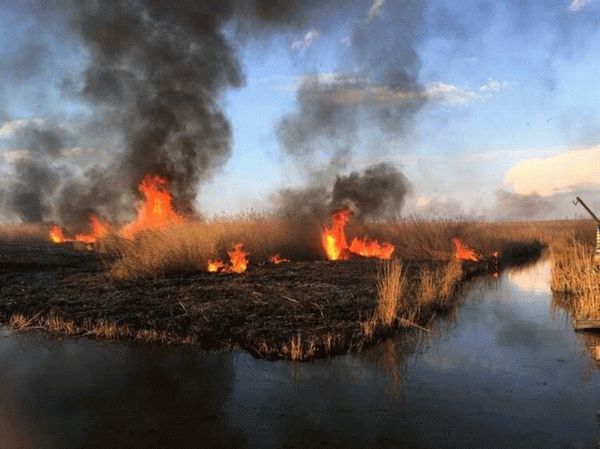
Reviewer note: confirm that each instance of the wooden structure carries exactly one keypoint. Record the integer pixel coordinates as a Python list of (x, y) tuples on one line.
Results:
[(586, 325), (593, 215)]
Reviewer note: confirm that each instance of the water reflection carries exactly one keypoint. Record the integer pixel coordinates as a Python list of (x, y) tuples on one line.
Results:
[(83, 394), (502, 371), (534, 278)]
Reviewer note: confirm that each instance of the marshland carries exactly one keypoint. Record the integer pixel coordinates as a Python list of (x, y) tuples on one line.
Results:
[(500, 353), (299, 223), (159, 285)]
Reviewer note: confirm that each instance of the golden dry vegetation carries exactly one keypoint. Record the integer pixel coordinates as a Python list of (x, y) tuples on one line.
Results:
[(577, 277), (189, 246)]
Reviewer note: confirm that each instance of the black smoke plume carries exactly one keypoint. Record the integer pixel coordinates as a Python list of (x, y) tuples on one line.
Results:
[(155, 77), (35, 175), (28, 197), (374, 93), (377, 192), (383, 94), (156, 74)]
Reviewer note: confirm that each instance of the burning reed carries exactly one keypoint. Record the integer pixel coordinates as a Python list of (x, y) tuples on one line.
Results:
[(307, 307), (192, 245)]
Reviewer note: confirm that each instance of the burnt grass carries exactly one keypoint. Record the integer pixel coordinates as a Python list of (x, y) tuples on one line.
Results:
[(318, 305)]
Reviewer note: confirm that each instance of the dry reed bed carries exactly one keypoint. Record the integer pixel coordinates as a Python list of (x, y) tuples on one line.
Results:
[(188, 247), (407, 291), (576, 277)]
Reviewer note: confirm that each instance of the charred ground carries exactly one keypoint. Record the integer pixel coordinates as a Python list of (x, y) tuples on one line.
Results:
[(298, 310)]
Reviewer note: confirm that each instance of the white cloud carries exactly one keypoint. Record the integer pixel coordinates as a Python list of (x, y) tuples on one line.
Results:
[(352, 88), (346, 41), (493, 86), (578, 5), (306, 41), (74, 152), (449, 94), (564, 172), (440, 206), (8, 128), (332, 79), (374, 10), (13, 156)]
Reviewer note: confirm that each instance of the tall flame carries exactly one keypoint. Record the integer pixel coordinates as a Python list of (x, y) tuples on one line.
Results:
[(156, 211), (98, 230), (238, 261), (56, 235), (334, 238), (336, 246), (463, 252)]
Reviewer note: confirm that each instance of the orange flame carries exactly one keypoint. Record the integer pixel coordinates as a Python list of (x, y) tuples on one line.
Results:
[(336, 246), (215, 265), (156, 211), (277, 259), (238, 258), (98, 230), (367, 247), (238, 261), (463, 252), (57, 236), (334, 238)]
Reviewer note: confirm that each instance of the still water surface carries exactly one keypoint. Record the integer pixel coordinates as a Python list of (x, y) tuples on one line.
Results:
[(504, 371)]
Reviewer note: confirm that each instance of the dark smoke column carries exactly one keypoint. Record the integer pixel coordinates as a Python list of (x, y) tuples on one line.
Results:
[(370, 100), (156, 73)]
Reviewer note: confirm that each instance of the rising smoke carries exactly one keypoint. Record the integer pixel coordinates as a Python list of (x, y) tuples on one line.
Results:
[(155, 79), (374, 94)]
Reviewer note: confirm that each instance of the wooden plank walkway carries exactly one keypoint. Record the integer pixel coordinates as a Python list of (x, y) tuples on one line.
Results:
[(589, 324)]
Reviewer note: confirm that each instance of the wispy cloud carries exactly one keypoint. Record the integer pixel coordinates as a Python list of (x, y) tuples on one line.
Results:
[(493, 86), (12, 156), (9, 128), (578, 5), (306, 41), (449, 94), (352, 88), (564, 172), (374, 10)]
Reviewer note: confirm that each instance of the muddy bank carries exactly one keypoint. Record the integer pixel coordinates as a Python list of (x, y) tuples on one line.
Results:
[(315, 307)]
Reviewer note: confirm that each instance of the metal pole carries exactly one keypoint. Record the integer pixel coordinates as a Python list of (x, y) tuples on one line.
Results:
[(580, 201)]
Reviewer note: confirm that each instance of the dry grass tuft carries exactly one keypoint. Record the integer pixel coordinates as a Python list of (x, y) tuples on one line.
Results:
[(408, 300), (299, 350), (107, 330), (437, 284), (391, 282), (18, 321), (100, 329)]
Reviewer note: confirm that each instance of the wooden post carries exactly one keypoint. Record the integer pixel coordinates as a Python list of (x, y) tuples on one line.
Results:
[(597, 253)]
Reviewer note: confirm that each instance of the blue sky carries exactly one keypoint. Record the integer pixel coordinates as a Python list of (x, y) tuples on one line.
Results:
[(505, 84), (529, 97)]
